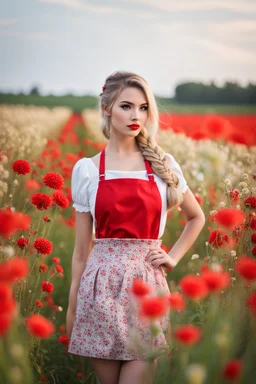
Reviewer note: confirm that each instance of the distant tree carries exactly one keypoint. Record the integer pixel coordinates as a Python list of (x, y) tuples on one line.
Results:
[(34, 90)]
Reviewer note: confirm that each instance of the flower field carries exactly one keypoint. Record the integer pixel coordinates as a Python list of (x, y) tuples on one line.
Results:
[(212, 305)]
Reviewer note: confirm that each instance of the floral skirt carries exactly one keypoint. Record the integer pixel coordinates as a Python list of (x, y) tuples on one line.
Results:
[(107, 324)]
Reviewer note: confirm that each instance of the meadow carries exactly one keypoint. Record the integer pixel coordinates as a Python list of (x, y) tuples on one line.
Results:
[(212, 306)]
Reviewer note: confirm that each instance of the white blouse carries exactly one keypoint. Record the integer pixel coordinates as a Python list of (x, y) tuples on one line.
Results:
[(85, 179)]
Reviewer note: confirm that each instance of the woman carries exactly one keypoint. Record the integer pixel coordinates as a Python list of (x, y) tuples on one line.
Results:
[(122, 196)]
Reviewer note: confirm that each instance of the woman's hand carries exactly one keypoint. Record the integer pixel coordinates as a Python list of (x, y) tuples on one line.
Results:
[(158, 256)]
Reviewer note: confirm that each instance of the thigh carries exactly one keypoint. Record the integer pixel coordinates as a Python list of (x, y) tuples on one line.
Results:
[(136, 372), (106, 370)]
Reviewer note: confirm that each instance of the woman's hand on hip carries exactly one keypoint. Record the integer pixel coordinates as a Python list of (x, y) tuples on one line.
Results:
[(158, 256)]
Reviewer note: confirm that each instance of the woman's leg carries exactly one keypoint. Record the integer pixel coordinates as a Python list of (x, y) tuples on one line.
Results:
[(136, 372), (107, 371)]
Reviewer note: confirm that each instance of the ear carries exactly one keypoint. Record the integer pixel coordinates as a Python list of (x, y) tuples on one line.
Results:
[(105, 109)]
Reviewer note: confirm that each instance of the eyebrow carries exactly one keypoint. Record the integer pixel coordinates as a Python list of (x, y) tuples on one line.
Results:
[(128, 102)]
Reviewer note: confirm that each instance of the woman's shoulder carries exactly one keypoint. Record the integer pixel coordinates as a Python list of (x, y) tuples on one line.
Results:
[(85, 167)]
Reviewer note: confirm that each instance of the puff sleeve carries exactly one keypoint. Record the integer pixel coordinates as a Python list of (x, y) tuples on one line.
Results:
[(80, 179), (177, 169)]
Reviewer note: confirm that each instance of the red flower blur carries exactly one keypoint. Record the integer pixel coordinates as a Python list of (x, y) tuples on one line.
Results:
[(251, 302), (41, 200), (250, 202), (43, 246), (60, 199), (177, 302), (56, 260), (32, 185), (13, 269), (215, 280), (22, 167), (59, 268), (229, 217), (188, 334), (194, 287), (22, 242), (233, 369), (139, 288), (254, 250), (234, 195), (63, 339), (53, 180), (246, 267), (38, 303), (253, 238), (47, 287), (39, 326), (154, 306), (42, 267), (11, 222), (218, 238)]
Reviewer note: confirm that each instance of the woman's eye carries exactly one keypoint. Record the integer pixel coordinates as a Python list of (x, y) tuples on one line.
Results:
[(126, 105)]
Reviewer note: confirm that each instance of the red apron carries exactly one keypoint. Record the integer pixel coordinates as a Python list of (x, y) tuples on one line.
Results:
[(127, 207)]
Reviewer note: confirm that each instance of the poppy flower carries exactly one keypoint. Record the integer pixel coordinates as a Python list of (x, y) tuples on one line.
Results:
[(22, 242), (56, 260), (64, 339), (251, 302), (215, 280), (43, 246), (154, 306), (41, 201), (5, 323), (234, 195), (11, 222), (53, 180), (188, 334), (254, 250), (229, 217), (22, 167), (250, 202), (47, 287), (60, 199), (253, 238), (233, 369), (39, 326), (139, 288), (13, 268), (32, 185), (59, 268), (218, 238), (194, 287), (176, 301), (246, 267), (38, 303)]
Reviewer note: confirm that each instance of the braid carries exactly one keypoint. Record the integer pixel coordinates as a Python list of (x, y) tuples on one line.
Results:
[(160, 166)]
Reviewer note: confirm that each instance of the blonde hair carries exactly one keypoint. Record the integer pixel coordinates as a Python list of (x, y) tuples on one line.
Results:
[(114, 85)]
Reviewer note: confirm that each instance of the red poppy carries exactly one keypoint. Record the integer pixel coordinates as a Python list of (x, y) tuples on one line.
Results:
[(41, 200), (11, 222), (39, 326), (140, 288), (233, 369), (5, 295), (177, 301), (251, 302), (47, 287), (59, 268), (254, 250), (5, 323), (253, 238), (60, 199), (64, 339), (22, 242), (47, 219), (234, 194), (53, 180), (62, 329), (56, 260), (250, 202), (13, 269), (22, 167), (218, 238), (32, 185), (79, 375), (188, 334), (216, 281), (194, 287), (42, 267), (38, 303), (246, 267), (154, 306), (43, 246), (229, 217)]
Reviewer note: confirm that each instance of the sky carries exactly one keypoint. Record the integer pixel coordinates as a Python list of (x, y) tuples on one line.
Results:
[(72, 46)]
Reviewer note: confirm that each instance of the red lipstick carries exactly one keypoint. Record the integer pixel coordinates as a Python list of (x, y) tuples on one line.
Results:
[(133, 126)]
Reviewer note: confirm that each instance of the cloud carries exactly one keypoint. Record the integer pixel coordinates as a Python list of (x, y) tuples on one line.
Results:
[(6, 22), (240, 6), (27, 36), (226, 52), (83, 6)]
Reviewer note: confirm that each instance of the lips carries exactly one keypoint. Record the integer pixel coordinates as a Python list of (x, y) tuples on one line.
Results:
[(134, 126)]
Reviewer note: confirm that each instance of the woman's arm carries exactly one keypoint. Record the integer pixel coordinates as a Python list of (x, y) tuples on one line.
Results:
[(82, 250), (195, 222)]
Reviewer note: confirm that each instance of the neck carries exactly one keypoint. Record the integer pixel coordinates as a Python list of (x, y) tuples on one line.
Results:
[(122, 147)]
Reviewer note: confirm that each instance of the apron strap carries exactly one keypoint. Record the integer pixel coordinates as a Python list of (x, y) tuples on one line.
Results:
[(102, 167)]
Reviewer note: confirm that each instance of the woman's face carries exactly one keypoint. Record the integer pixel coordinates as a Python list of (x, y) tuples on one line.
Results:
[(131, 107)]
